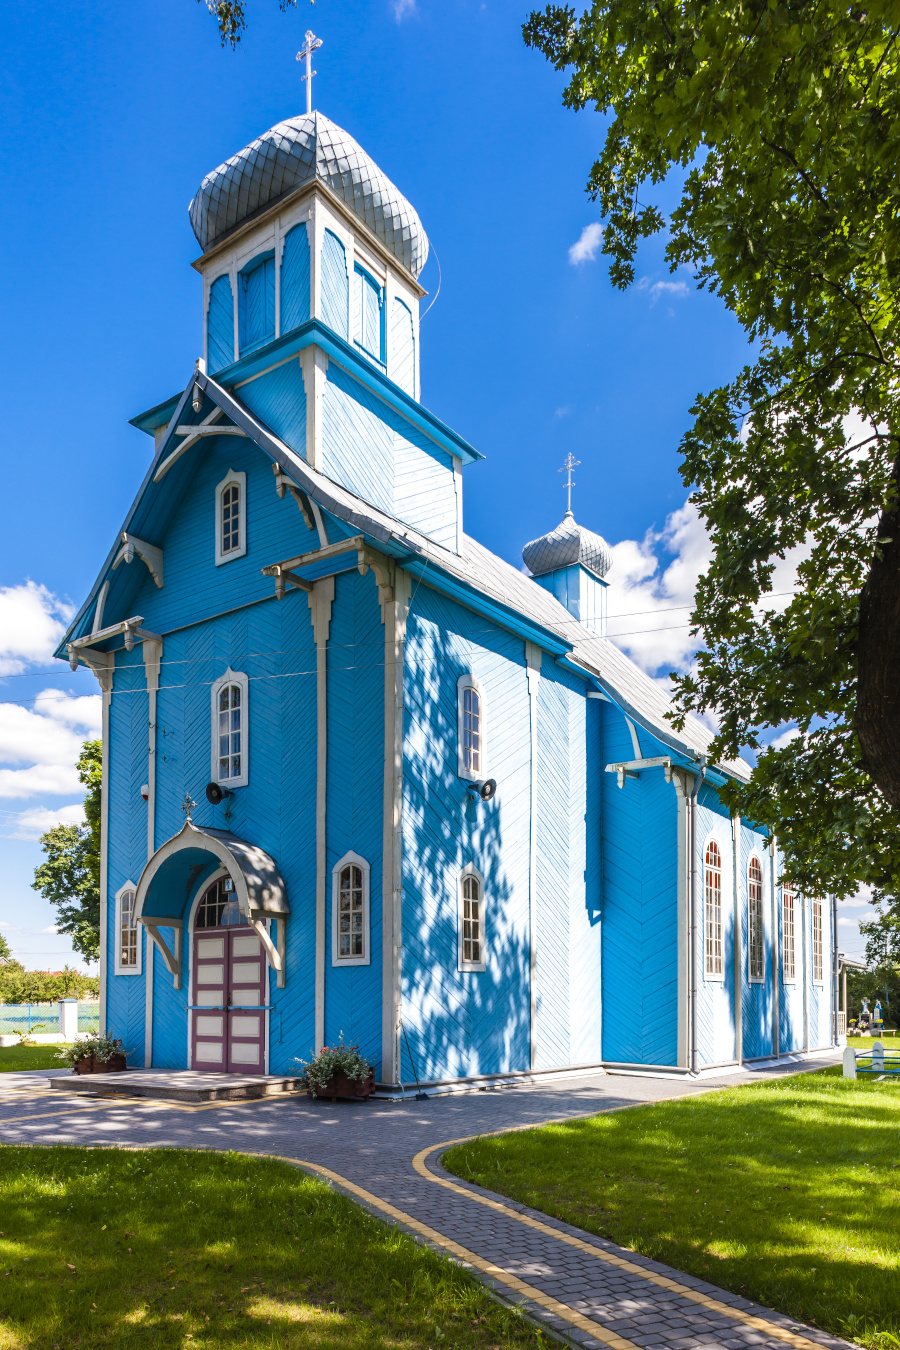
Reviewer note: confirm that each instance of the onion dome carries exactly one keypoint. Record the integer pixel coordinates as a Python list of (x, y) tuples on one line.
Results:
[(296, 152), (568, 544)]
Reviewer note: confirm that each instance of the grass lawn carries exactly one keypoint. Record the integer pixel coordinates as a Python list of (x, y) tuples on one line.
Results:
[(18, 1058), (787, 1192), (164, 1248)]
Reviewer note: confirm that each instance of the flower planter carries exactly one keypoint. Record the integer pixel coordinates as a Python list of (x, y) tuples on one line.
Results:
[(90, 1064), (339, 1085), (85, 1065)]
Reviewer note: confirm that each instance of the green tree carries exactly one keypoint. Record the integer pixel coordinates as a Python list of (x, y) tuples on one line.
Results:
[(70, 878), (883, 954), (232, 21), (5, 953), (780, 122)]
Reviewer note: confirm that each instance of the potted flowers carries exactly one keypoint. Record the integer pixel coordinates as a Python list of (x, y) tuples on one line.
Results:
[(338, 1071), (94, 1054)]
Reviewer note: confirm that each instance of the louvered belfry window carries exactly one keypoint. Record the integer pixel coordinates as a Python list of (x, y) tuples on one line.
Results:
[(713, 892), (472, 920), (351, 911), (788, 931), (230, 732), (128, 934), (231, 518), (755, 933)]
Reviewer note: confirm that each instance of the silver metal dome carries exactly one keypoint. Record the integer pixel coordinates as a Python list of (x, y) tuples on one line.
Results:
[(296, 152), (567, 544)]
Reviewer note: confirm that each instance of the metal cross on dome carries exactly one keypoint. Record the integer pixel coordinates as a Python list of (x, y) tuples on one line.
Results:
[(305, 54), (188, 805), (570, 463)]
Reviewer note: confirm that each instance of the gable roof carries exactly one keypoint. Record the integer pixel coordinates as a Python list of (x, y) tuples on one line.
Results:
[(475, 570)]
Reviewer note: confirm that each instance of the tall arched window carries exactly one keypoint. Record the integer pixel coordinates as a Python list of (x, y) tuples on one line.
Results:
[(472, 757), (128, 941), (817, 943), (231, 517), (472, 948), (755, 926), (350, 912), (230, 730), (788, 932), (713, 895)]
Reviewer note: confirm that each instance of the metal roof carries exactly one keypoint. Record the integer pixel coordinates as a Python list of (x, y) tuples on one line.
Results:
[(569, 543), (292, 154)]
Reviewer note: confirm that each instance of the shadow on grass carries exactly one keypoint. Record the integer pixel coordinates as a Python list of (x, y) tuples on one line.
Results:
[(169, 1248), (786, 1192)]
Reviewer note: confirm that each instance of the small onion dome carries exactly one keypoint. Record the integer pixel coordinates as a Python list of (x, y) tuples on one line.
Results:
[(288, 156), (567, 544)]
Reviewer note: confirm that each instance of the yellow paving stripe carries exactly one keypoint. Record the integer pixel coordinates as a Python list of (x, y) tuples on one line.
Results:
[(662, 1281), (552, 1305), (111, 1102)]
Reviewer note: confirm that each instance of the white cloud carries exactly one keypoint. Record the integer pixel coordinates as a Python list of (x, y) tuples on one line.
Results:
[(563, 411), (785, 738), (659, 288), (32, 621), (585, 247), (403, 7), (46, 739), (35, 821)]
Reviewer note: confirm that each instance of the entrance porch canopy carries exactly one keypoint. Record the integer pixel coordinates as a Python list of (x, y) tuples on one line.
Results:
[(179, 867)]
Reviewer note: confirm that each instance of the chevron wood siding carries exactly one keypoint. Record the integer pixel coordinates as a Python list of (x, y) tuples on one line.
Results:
[(279, 399), (403, 349), (585, 951), (715, 997), (758, 1005), (220, 325), (640, 918), (424, 490), (294, 278), (256, 304), (470, 1022), (335, 293), (355, 796), (553, 865)]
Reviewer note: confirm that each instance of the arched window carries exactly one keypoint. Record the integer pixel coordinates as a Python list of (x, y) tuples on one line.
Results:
[(713, 895), (230, 730), (128, 942), (231, 517), (755, 926), (472, 946), (350, 912), (218, 907), (472, 757), (817, 948), (788, 931)]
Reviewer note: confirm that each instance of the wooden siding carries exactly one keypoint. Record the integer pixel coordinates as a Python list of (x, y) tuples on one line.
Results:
[(279, 399), (640, 899), (355, 797), (463, 1023), (402, 348), (758, 1007), (256, 304), (335, 301), (371, 450), (220, 325), (294, 278), (715, 996)]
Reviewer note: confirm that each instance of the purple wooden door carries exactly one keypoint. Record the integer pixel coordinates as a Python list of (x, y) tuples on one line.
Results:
[(229, 981)]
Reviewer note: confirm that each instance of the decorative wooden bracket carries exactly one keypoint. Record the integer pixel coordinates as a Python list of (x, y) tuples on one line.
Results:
[(172, 959), (276, 961), (285, 573), (149, 554), (631, 768), (103, 663), (283, 485), (383, 567)]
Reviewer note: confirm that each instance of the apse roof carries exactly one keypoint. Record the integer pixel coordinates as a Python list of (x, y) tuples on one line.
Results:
[(288, 156), (569, 543)]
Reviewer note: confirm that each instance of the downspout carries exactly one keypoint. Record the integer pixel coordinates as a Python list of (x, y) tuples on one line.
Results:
[(692, 814)]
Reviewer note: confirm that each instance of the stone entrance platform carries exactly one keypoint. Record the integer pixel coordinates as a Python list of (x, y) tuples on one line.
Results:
[(185, 1085)]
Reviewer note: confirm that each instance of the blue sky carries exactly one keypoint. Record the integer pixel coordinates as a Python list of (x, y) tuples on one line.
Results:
[(110, 116)]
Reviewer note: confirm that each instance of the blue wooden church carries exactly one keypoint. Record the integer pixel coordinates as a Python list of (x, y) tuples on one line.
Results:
[(361, 776)]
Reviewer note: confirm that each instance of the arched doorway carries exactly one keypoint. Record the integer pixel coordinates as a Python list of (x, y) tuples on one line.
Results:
[(229, 985)]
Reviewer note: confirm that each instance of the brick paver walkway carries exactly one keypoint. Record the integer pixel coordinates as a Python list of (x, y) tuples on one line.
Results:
[(590, 1292)]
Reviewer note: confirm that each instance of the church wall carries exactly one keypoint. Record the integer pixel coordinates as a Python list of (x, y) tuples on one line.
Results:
[(278, 399), (463, 1023), (757, 1001), (716, 1041), (640, 898)]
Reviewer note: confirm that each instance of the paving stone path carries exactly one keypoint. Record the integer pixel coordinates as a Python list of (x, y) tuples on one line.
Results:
[(590, 1292)]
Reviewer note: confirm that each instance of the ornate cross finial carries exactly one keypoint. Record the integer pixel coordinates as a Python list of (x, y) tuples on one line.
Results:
[(305, 54), (570, 463), (187, 806)]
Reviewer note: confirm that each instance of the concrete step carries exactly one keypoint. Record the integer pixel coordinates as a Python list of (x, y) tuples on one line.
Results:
[(185, 1085)]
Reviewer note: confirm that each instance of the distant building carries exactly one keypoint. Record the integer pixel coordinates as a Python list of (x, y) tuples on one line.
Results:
[(434, 808)]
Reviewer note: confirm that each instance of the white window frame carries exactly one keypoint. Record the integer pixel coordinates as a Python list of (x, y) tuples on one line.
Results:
[(785, 892), (119, 968), (469, 682), (350, 859), (818, 981), (714, 976), (243, 682), (756, 979), (470, 870), (240, 478)]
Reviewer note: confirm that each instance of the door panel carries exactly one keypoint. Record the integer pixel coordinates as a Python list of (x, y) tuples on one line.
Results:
[(229, 983)]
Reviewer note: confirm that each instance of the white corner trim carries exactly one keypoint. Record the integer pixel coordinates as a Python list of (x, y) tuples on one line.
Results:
[(468, 681), (336, 958), (470, 870), (119, 969), (243, 682), (240, 478)]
